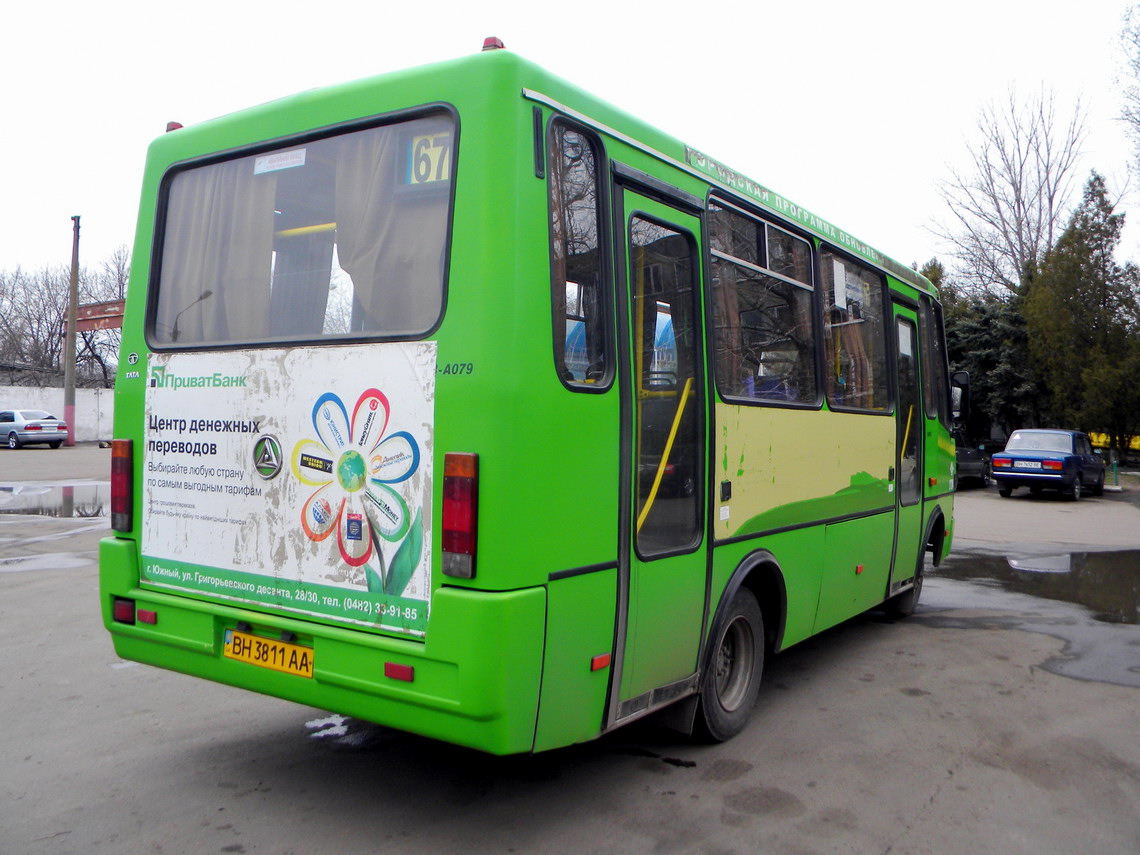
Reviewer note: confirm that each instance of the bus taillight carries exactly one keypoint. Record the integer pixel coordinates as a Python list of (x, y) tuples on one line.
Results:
[(460, 506), (121, 460)]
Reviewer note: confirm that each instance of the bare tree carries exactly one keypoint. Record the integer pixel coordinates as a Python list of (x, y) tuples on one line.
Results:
[(1010, 208), (97, 351), (1130, 40), (33, 311), (111, 282)]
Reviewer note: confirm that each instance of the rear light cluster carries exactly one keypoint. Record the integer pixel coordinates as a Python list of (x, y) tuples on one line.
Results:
[(1054, 465), (1001, 462), (121, 466), (123, 611), (460, 513)]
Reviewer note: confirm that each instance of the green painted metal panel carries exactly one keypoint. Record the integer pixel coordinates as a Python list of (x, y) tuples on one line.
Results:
[(476, 680), (857, 566), (579, 627)]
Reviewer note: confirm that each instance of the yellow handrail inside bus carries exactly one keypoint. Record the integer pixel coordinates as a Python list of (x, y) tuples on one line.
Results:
[(666, 452), (306, 230)]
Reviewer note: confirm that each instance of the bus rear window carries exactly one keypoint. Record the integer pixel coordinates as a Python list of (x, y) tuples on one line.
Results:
[(339, 237)]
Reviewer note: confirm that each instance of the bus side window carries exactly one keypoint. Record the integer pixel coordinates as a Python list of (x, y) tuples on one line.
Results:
[(855, 352), (936, 381), (763, 306), (578, 274), (934, 363)]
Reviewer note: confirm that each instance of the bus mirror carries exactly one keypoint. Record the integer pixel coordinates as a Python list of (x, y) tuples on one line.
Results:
[(960, 395)]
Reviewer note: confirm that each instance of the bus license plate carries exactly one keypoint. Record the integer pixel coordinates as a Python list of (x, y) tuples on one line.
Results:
[(1026, 464), (269, 653)]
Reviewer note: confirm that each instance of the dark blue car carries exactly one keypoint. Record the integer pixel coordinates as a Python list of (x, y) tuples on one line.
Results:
[(1048, 460)]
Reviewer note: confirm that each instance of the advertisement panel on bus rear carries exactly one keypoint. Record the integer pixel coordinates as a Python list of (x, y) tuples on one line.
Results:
[(298, 479)]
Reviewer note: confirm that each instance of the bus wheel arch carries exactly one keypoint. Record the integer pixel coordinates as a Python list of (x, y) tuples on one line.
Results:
[(935, 540), (903, 605), (747, 626)]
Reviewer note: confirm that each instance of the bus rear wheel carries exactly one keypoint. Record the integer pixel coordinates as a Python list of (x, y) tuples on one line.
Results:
[(731, 679)]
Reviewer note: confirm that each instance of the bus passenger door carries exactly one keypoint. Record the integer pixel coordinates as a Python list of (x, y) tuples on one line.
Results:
[(910, 431), (662, 556)]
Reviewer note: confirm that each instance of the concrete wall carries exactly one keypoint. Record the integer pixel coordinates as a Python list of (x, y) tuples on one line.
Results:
[(93, 407)]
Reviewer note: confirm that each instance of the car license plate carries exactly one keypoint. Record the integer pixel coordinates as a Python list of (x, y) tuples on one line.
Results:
[(269, 653), (1026, 464)]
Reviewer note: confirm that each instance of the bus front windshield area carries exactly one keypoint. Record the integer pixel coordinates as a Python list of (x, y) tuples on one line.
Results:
[(339, 237)]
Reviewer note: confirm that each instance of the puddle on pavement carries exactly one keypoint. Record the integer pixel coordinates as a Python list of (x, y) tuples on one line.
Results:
[(1106, 583), (84, 501)]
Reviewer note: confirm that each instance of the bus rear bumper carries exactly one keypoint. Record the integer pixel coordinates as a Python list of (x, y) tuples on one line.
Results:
[(474, 680)]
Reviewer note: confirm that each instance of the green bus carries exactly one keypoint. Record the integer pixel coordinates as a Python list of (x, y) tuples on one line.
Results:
[(459, 401)]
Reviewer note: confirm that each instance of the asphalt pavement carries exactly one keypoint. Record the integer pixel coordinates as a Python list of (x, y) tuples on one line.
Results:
[(80, 463), (1030, 524)]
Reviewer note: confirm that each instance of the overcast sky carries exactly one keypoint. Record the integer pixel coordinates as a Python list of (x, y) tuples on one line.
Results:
[(853, 110)]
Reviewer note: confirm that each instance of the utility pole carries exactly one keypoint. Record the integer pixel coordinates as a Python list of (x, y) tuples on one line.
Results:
[(69, 342)]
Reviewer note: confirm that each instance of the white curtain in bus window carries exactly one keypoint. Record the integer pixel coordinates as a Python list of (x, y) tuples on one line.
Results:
[(855, 354), (764, 322), (214, 284), (340, 237), (391, 206)]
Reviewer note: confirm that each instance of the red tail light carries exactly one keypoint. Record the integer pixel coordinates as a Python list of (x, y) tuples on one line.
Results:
[(1001, 461), (1055, 465), (460, 513), (121, 465), (123, 610), (33, 427)]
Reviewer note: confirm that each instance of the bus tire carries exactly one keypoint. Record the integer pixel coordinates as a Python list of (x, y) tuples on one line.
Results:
[(731, 679)]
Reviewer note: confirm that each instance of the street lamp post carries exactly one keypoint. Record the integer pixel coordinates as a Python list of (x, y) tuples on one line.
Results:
[(69, 343), (175, 332)]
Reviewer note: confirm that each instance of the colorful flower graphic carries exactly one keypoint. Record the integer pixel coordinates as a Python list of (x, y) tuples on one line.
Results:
[(354, 463)]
